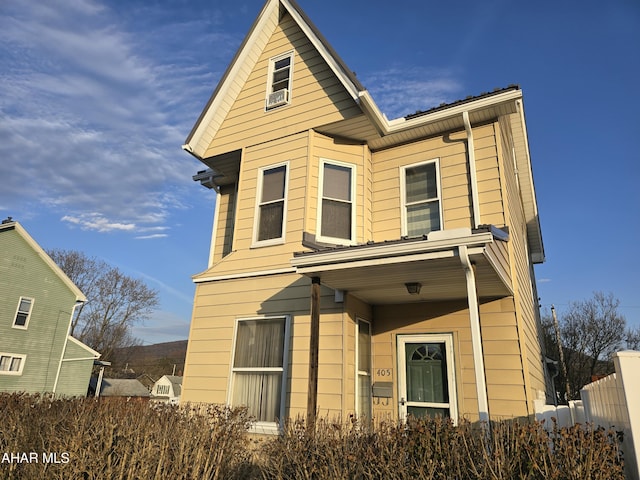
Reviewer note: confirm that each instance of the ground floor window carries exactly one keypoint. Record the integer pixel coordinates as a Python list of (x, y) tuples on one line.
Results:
[(363, 369), (11, 364), (426, 376), (259, 366)]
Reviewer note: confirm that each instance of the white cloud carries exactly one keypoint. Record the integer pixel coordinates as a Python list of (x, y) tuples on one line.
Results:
[(401, 91), (94, 112), (95, 221)]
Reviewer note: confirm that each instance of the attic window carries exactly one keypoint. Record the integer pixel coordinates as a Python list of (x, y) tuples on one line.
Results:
[(279, 84)]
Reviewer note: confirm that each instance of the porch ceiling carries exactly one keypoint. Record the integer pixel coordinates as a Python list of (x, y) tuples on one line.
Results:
[(377, 274)]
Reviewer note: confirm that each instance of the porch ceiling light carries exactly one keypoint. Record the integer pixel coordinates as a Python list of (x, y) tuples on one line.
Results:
[(413, 288)]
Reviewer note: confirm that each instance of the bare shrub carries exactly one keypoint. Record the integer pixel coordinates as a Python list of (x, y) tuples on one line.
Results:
[(132, 440)]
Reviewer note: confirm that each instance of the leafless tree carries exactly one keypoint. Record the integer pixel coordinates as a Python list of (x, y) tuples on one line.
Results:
[(115, 302), (591, 331)]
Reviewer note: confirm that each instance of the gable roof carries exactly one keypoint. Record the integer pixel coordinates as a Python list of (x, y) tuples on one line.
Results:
[(8, 225), (245, 59)]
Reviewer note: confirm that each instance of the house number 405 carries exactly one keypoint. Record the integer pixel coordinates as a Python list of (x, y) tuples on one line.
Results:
[(383, 372)]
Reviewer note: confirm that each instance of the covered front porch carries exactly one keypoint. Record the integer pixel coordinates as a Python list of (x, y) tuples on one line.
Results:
[(400, 280)]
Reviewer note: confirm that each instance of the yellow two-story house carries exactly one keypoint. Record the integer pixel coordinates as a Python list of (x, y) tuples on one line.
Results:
[(361, 265)]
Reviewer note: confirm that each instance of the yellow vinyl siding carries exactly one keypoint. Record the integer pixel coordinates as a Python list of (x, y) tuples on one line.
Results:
[(522, 275), (317, 96), (224, 234), (454, 173), (420, 318), (244, 258), (217, 307), (344, 151)]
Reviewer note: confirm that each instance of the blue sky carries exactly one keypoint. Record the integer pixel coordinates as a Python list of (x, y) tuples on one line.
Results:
[(97, 97)]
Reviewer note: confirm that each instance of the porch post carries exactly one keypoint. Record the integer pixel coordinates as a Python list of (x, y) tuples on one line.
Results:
[(314, 341), (476, 336)]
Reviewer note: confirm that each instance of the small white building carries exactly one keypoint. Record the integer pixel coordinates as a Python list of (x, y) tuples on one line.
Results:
[(167, 389)]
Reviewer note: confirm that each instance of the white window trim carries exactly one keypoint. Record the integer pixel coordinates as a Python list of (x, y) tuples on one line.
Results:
[(447, 339), (319, 236), (256, 215), (264, 427), (15, 316), (14, 355), (272, 63), (362, 372), (403, 193)]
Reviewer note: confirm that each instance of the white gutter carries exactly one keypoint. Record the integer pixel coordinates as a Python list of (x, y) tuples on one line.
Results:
[(472, 170), (387, 127), (476, 336)]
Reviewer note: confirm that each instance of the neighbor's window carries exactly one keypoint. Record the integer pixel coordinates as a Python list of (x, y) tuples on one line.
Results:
[(336, 218), (421, 199), (259, 367), (11, 364), (23, 313), (363, 369), (271, 205), (279, 84)]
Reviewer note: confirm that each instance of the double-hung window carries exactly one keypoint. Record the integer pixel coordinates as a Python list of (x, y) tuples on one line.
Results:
[(259, 368), (421, 205), (11, 364), (23, 313), (279, 84), (271, 205), (336, 207), (363, 369)]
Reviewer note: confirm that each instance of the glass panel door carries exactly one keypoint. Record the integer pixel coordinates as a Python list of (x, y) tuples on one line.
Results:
[(426, 376)]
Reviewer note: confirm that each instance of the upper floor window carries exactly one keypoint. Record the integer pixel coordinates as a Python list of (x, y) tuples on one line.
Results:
[(23, 313), (336, 211), (271, 205), (421, 205), (279, 83), (11, 364), (259, 367)]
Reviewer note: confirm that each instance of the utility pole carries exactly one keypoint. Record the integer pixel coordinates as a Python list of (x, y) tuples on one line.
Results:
[(562, 364)]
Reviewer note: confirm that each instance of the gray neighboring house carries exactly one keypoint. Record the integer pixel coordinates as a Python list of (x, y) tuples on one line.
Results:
[(37, 304), (119, 387), (167, 389)]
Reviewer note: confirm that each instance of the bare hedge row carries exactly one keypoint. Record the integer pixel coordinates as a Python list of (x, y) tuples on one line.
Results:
[(88, 439)]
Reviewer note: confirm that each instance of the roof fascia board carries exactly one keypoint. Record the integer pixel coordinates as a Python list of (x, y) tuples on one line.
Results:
[(82, 345), (329, 55), (48, 260), (377, 252), (525, 164), (387, 127), (219, 95)]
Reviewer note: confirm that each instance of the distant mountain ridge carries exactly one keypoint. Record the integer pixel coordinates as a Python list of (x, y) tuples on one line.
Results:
[(154, 360)]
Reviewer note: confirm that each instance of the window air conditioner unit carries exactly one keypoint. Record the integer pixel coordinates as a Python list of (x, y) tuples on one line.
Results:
[(278, 98)]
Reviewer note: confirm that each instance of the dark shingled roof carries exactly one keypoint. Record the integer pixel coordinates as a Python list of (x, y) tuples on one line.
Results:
[(469, 99)]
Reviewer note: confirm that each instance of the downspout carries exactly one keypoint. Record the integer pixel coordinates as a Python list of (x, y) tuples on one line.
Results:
[(476, 336), (64, 348), (473, 178)]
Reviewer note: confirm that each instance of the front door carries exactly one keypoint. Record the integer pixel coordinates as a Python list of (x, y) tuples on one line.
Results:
[(426, 379)]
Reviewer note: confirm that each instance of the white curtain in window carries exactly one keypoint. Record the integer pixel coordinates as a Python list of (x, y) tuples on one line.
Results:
[(259, 353)]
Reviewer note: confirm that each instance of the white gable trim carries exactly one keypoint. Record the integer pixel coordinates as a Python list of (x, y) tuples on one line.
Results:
[(233, 80), (243, 64)]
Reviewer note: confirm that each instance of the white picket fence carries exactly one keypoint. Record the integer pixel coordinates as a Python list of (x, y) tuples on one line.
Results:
[(612, 402)]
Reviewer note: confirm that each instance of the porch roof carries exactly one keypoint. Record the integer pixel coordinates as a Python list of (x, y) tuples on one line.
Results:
[(378, 272)]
